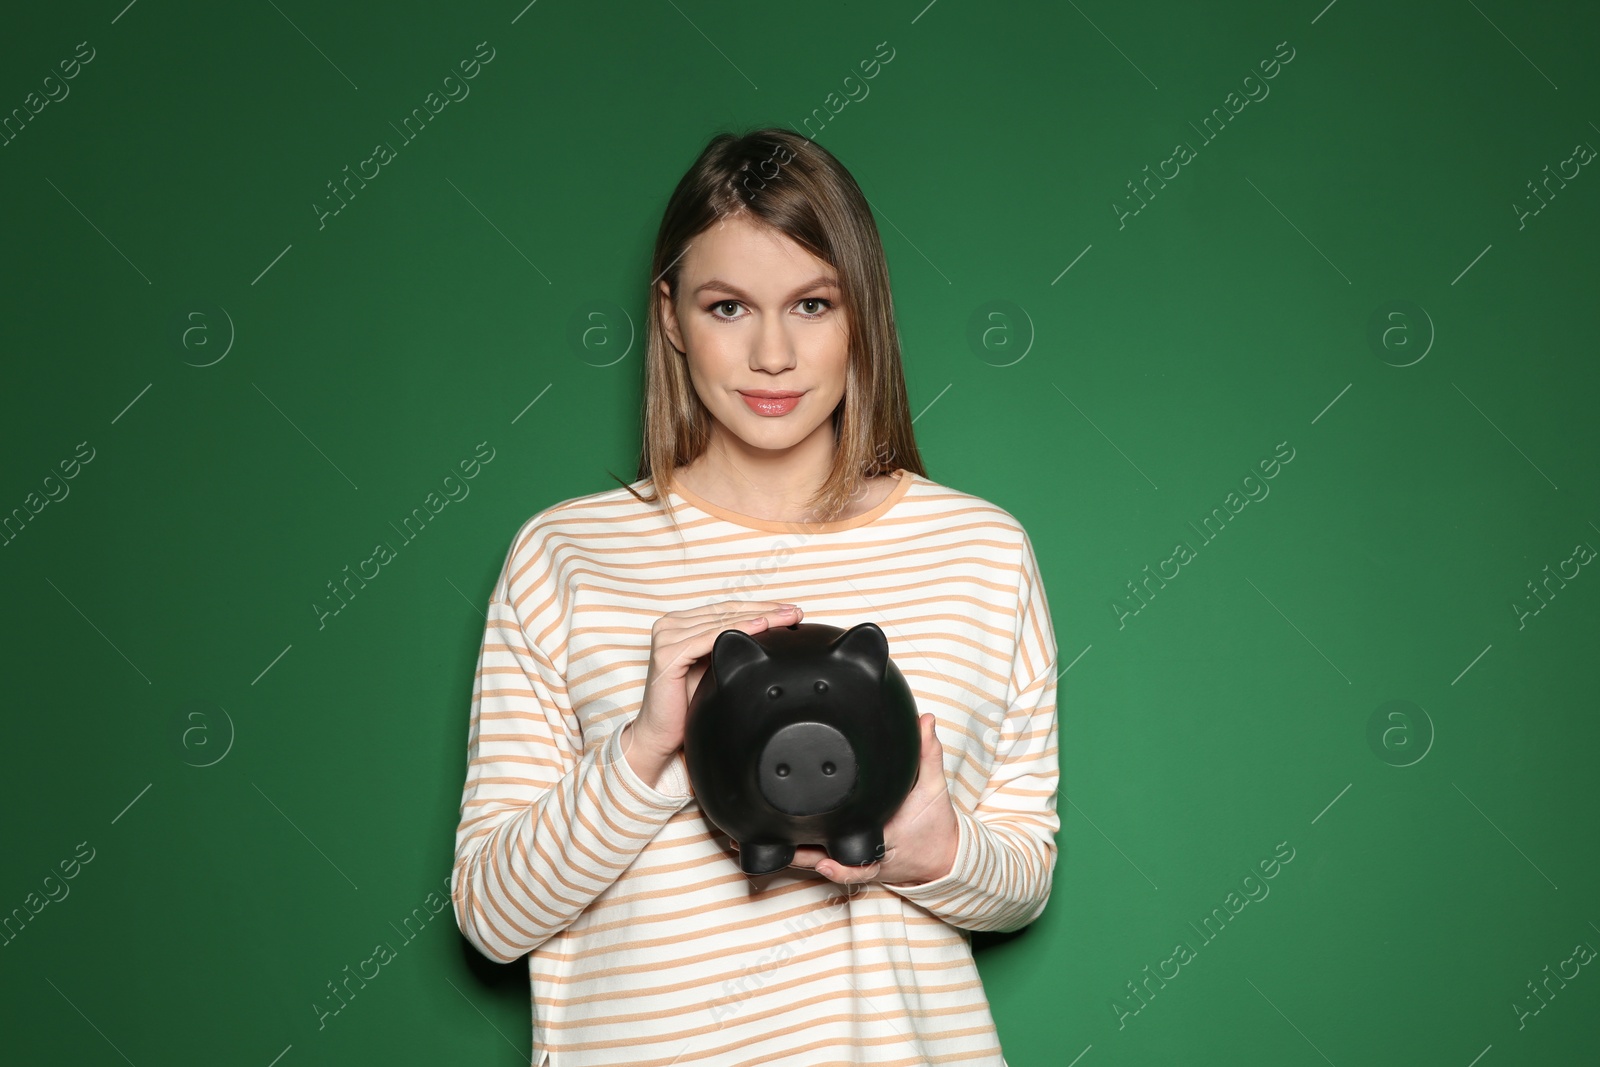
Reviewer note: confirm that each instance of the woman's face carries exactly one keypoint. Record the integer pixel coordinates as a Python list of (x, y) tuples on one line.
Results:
[(758, 314)]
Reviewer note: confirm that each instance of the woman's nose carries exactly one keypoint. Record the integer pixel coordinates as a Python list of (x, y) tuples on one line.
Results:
[(774, 349)]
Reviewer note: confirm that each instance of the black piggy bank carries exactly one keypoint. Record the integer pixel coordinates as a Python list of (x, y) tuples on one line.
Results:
[(802, 735)]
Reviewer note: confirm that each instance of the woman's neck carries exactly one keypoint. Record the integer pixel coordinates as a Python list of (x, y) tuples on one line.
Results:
[(772, 487)]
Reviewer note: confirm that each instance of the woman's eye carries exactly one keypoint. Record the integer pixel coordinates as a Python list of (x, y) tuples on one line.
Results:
[(812, 307)]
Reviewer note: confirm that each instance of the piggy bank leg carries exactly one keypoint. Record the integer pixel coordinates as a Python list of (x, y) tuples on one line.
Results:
[(758, 858), (857, 849)]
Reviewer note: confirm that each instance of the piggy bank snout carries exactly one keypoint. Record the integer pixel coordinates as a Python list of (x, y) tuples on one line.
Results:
[(807, 768)]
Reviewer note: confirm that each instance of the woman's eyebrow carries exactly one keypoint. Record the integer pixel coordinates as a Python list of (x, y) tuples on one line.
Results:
[(821, 281)]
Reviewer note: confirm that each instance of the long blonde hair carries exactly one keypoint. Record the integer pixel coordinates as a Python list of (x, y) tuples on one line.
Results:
[(779, 179)]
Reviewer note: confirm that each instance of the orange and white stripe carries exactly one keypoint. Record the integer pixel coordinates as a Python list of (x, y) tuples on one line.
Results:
[(646, 944)]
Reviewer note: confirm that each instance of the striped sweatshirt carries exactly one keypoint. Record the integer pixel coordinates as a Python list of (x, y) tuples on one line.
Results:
[(646, 944)]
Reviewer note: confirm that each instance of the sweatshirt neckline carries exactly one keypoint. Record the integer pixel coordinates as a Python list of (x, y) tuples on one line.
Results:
[(773, 526)]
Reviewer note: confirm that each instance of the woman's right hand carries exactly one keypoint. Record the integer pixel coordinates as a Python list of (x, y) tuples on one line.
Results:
[(679, 642)]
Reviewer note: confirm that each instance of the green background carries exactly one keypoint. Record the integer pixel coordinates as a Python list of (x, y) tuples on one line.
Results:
[(267, 798)]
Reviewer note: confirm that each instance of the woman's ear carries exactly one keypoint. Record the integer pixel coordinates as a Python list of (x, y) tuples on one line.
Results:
[(669, 316)]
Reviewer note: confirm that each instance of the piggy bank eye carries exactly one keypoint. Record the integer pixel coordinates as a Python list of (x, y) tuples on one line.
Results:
[(775, 692), (821, 686)]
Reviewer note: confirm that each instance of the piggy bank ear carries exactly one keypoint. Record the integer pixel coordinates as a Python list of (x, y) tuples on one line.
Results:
[(733, 650), (865, 646)]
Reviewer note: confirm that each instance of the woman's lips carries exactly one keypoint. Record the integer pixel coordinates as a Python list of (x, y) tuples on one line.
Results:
[(771, 406)]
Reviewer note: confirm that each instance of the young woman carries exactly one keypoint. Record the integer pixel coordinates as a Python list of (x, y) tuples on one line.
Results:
[(778, 480)]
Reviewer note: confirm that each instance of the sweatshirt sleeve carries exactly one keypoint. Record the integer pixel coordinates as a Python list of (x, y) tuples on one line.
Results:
[(547, 824), (1006, 849)]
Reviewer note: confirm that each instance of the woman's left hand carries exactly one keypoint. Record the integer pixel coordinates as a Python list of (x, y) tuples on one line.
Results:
[(919, 841)]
